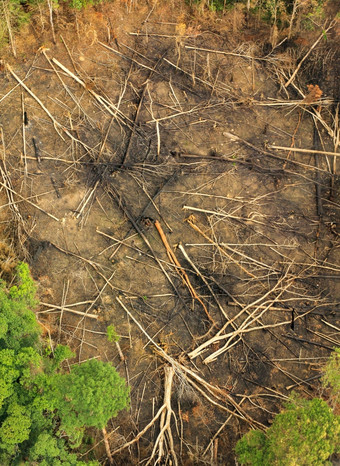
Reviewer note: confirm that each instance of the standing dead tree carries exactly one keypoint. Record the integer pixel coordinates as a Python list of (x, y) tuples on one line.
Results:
[(50, 10), (7, 15)]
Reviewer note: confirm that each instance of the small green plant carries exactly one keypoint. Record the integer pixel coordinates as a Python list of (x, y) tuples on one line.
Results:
[(112, 334), (313, 15)]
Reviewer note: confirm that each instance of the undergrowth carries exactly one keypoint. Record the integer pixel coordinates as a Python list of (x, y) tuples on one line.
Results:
[(280, 14)]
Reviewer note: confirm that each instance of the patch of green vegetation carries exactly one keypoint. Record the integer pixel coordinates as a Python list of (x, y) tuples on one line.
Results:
[(12, 17), (306, 432), (111, 334), (44, 411), (215, 5), (80, 4), (15, 13), (314, 16), (331, 378)]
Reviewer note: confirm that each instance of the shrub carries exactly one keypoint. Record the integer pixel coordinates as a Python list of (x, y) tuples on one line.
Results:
[(251, 448), (111, 334), (18, 325)]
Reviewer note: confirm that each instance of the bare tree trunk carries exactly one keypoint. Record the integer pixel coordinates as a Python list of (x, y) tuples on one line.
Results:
[(295, 7), (50, 9), (9, 28), (107, 446)]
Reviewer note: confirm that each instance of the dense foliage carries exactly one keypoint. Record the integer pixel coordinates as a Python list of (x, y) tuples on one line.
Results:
[(306, 432), (44, 411)]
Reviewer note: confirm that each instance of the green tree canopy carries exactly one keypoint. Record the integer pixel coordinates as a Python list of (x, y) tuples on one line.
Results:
[(88, 396), (43, 410), (305, 433)]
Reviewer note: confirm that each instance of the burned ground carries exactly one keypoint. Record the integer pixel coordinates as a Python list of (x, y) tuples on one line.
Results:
[(146, 192)]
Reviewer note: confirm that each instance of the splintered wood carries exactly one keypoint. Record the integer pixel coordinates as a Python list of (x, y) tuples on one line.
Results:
[(164, 442), (180, 270)]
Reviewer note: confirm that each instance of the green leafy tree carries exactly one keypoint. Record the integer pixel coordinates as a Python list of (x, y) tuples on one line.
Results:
[(16, 427), (88, 396), (305, 433), (43, 411), (49, 450), (18, 325)]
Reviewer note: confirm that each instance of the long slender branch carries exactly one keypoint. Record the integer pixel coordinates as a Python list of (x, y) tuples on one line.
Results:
[(308, 53)]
